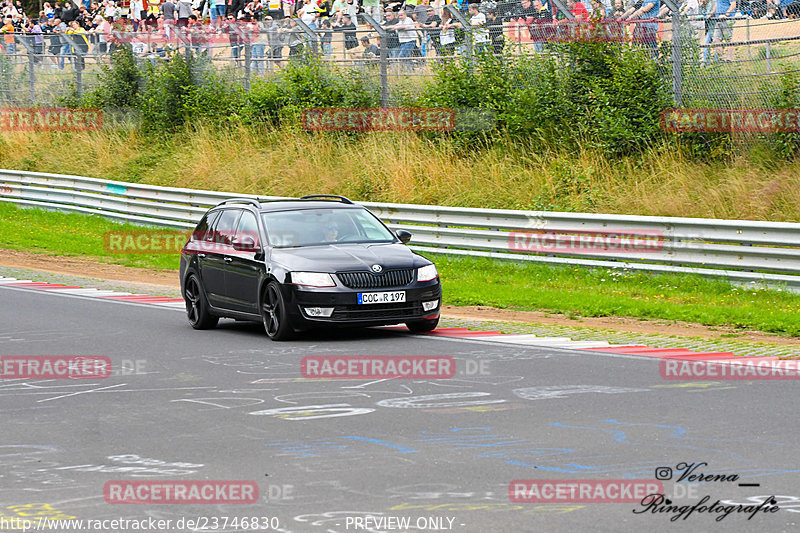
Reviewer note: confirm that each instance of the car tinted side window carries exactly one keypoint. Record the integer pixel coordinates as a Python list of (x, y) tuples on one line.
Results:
[(223, 229), (248, 228), (201, 232)]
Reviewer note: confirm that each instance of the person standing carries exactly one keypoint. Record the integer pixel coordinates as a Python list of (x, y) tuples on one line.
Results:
[(480, 34), (211, 8), (309, 14), (496, 36), (406, 35), (136, 7), (719, 28), (432, 29), (184, 11), (293, 39), (447, 38), (646, 32), (9, 41), (63, 49), (168, 15), (372, 8), (81, 41), (38, 40), (274, 41), (103, 30)]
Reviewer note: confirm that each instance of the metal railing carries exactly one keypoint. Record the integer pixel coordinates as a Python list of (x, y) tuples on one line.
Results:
[(739, 66), (737, 250)]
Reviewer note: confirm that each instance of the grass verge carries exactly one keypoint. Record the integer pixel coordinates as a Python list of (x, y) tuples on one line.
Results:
[(71, 234), (475, 281), (409, 168)]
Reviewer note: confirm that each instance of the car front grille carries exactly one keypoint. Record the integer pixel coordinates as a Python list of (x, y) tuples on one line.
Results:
[(368, 280), (377, 311)]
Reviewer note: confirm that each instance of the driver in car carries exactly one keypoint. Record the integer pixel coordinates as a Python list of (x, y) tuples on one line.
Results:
[(331, 233)]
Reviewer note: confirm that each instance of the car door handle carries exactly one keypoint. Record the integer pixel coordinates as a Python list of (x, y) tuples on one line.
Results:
[(201, 256), (228, 259)]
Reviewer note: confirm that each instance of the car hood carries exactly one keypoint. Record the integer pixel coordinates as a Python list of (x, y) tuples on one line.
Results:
[(344, 257)]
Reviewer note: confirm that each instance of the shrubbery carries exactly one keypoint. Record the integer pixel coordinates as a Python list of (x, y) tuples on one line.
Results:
[(601, 96), (183, 89), (596, 95)]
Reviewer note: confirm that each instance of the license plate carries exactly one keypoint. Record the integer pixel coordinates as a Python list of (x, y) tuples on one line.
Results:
[(381, 297)]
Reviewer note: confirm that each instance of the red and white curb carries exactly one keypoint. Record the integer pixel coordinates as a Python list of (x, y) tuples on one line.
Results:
[(597, 346), (526, 340), (463, 333), (161, 301)]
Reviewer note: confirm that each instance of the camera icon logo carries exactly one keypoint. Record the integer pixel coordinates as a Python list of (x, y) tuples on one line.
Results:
[(663, 473)]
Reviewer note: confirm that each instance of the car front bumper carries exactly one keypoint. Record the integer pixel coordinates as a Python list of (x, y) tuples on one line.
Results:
[(347, 310)]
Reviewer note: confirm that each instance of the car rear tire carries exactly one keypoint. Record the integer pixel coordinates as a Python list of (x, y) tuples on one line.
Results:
[(274, 314), (422, 326), (196, 306)]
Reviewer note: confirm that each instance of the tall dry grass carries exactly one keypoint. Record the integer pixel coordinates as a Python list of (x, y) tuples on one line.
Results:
[(408, 168)]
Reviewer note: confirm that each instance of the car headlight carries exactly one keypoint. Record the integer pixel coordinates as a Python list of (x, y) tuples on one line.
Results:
[(313, 279), (427, 273)]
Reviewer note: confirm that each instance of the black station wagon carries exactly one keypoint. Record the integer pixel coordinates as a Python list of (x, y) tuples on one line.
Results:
[(295, 264)]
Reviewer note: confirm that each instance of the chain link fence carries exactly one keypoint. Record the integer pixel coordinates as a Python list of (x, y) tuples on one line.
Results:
[(727, 62)]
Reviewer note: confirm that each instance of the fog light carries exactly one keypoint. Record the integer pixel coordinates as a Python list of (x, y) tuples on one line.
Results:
[(319, 311), (429, 306)]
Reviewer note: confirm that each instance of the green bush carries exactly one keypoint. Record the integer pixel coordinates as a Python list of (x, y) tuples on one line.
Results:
[(597, 94), (169, 87), (182, 90), (119, 84), (604, 96), (264, 103), (786, 145), (540, 108)]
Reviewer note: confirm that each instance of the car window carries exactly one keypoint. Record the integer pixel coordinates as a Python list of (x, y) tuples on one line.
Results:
[(313, 227), (201, 232), (370, 227), (248, 227), (223, 228)]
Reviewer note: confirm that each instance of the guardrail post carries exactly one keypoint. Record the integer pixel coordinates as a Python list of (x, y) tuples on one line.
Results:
[(384, 57)]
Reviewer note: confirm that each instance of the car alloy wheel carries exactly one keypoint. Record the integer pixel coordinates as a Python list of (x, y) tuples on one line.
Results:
[(274, 315), (196, 307)]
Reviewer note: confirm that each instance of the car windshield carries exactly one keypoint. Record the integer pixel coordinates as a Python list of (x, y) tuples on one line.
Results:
[(314, 227)]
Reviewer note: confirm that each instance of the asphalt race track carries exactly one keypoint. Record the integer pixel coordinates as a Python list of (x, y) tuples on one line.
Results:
[(363, 455)]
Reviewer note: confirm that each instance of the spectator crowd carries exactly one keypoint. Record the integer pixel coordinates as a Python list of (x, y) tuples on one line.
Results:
[(67, 31)]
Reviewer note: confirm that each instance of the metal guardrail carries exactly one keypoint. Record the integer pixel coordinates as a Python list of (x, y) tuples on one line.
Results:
[(738, 250)]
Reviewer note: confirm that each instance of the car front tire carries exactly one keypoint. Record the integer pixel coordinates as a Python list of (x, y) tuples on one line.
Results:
[(196, 306), (422, 326), (274, 314)]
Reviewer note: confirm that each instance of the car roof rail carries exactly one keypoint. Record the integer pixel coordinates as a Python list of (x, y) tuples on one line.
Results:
[(321, 196), (251, 201)]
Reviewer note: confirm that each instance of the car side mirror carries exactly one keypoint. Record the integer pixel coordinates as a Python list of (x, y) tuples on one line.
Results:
[(244, 244), (404, 236)]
